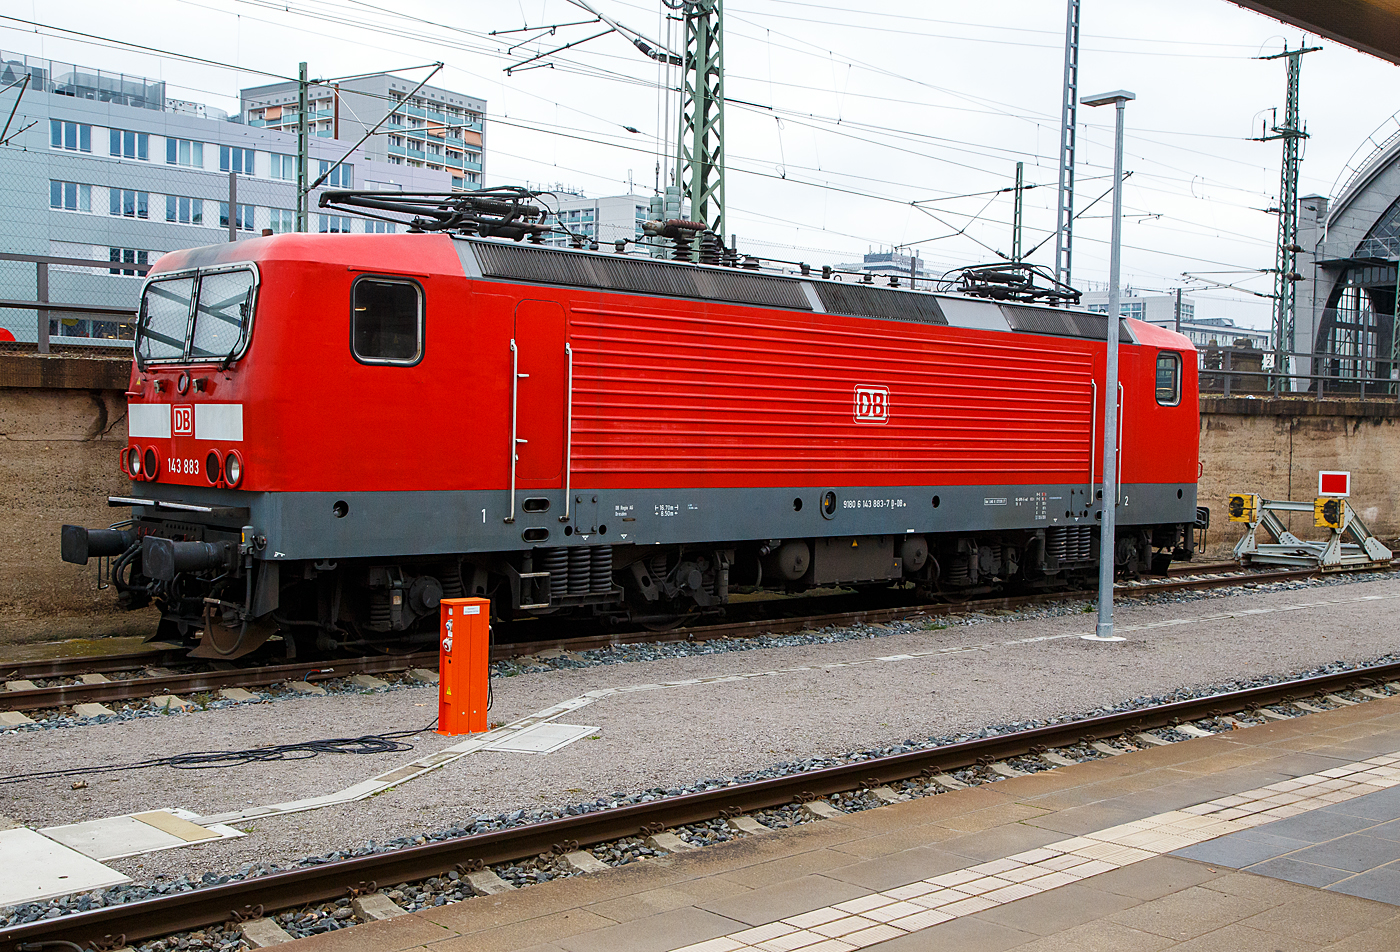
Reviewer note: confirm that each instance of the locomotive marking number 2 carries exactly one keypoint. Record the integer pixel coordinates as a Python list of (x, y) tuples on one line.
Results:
[(872, 405)]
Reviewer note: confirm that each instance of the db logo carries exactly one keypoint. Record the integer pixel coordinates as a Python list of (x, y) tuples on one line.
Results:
[(182, 421), (872, 405)]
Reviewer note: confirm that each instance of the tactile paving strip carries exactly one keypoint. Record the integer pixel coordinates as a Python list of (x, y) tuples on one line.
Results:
[(879, 916)]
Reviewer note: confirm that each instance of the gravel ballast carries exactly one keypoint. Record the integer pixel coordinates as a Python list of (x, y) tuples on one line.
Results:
[(651, 743)]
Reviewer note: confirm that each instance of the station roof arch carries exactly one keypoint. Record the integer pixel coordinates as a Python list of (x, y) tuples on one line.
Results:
[(1372, 26)]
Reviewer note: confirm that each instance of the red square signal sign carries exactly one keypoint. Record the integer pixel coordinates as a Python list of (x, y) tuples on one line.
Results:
[(1333, 484)]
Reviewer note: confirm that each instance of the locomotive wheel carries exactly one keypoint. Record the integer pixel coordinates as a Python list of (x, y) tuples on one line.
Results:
[(658, 623), (218, 643)]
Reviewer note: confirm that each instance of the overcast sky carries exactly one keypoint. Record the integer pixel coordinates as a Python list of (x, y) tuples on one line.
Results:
[(850, 111)]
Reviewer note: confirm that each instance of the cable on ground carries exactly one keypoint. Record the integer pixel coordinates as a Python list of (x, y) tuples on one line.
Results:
[(203, 760)]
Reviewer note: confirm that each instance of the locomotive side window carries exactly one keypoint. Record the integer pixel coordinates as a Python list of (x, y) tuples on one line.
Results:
[(1168, 378), (386, 321), (165, 319), (225, 299)]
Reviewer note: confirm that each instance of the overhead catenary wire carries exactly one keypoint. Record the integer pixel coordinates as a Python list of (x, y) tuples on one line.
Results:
[(349, 16)]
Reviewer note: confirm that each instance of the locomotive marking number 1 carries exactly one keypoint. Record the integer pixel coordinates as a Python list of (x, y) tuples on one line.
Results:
[(872, 405)]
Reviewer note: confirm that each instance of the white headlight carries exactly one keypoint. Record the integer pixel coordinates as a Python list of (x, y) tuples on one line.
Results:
[(233, 470), (133, 462)]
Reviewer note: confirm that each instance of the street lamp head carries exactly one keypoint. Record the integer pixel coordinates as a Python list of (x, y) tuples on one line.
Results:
[(1104, 99)]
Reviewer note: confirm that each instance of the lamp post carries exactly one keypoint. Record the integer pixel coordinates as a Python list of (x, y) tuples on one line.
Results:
[(1109, 493)]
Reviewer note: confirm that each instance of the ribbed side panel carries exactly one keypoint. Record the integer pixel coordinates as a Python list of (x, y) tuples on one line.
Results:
[(689, 399), (861, 301), (640, 275)]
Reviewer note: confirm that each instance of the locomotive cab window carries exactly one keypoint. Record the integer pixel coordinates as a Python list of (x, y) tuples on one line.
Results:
[(386, 321), (200, 315), (1168, 378)]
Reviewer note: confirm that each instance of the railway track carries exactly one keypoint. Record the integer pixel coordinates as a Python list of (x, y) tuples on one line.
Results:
[(202, 908), (159, 682)]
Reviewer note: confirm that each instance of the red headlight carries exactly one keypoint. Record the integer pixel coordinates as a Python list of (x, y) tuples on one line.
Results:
[(212, 466), (131, 460), (150, 463), (233, 469)]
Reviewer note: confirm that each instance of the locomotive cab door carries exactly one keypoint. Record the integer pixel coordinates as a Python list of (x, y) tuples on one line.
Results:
[(541, 394)]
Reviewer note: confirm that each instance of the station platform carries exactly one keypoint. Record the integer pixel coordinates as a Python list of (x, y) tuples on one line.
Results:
[(1283, 837)]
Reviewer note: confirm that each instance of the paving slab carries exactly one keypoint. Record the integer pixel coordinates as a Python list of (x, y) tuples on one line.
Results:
[(777, 901), (669, 930), (34, 867)]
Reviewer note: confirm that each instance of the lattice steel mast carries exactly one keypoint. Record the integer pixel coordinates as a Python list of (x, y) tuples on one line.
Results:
[(700, 143), (1064, 216), (1286, 275)]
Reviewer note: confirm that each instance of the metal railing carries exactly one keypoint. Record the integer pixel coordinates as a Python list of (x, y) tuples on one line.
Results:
[(1388, 247), (1243, 371), (48, 311)]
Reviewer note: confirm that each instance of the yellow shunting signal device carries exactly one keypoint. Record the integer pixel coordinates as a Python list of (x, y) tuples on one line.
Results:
[(1329, 512), (1244, 507)]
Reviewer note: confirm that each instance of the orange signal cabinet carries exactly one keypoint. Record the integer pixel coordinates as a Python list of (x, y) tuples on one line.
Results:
[(464, 665)]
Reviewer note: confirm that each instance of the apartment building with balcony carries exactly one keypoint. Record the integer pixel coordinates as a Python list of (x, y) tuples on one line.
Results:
[(434, 129), (103, 166)]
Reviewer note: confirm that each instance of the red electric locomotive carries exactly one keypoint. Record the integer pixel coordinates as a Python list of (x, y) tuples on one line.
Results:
[(329, 433)]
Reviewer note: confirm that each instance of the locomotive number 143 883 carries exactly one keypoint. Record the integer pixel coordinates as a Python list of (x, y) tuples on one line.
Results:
[(184, 467)]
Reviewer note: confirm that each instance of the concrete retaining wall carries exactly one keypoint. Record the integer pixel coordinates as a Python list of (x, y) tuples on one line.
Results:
[(63, 422), (1276, 447)]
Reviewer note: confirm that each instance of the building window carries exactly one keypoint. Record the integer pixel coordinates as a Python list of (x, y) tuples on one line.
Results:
[(127, 256), (373, 227), (1188, 311), (186, 211), (129, 203), (234, 159), (243, 214), (284, 167), (184, 152), (284, 221), (73, 136), (335, 225), (129, 145), (70, 196), (343, 176)]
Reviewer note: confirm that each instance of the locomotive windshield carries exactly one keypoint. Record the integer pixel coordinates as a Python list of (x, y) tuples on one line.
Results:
[(196, 316)]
